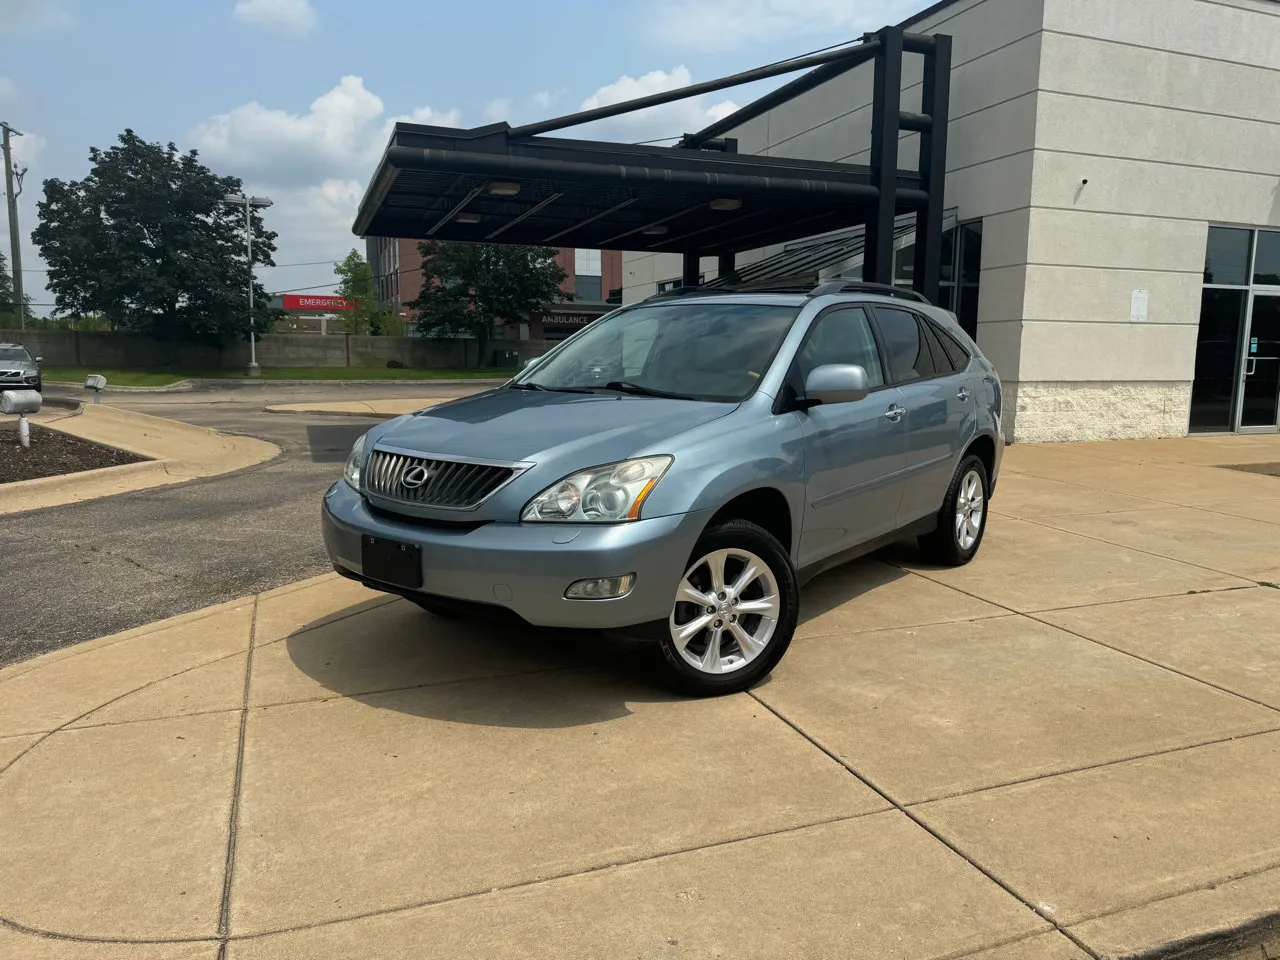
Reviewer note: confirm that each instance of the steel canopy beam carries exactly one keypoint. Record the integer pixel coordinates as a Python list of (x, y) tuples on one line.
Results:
[(693, 90)]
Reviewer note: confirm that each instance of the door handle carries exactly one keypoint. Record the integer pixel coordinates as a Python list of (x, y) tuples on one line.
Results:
[(963, 394), (1252, 366), (894, 413)]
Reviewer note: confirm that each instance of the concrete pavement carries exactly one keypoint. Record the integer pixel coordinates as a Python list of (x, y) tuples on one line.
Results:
[(1069, 748)]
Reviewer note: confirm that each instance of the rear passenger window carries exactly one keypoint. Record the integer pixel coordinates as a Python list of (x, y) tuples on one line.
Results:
[(909, 357), (957, 354), (941, 362), (842, 336)]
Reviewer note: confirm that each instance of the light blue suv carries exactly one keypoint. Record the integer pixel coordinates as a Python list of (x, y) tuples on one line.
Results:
[(677, 469)]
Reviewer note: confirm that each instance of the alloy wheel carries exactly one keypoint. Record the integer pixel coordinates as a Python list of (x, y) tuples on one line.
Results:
[(725, 612)]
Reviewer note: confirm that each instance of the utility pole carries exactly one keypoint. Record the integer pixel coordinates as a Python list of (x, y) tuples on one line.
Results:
[(15, 252)]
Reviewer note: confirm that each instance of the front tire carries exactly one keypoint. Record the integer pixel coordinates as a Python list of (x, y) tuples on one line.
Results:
[(962, 521), (734, 612)]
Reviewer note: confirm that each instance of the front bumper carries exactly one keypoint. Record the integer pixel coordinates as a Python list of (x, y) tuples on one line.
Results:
[(525, 567)]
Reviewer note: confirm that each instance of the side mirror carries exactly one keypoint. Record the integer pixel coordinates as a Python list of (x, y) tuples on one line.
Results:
[(531, 362), (836, 383), (39, 359)]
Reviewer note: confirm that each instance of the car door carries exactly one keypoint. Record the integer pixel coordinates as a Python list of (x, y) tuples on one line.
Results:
[(852, 450), (939, 403)]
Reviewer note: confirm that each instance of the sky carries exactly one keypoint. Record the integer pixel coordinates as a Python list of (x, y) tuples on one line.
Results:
[(298, 97)]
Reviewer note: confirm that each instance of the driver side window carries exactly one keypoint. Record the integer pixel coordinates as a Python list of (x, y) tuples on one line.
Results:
[(842, 336)]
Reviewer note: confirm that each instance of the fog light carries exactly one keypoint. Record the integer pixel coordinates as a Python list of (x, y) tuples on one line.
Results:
[(606, 588)]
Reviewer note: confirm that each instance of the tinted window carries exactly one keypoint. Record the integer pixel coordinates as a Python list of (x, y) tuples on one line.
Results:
[(941, 362), (1226, 258), (956, 354), (842, 336), (1267, 267), (909, 357), (14, 353)]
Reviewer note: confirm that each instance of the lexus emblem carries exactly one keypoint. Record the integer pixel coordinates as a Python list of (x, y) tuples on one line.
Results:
[(414, 477)]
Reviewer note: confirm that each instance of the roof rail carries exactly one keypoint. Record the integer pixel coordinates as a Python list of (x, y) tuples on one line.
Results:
[(859, 286), (683, 292)]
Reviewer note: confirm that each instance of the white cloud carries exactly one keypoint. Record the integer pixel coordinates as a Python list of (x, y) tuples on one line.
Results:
[(288, 17), (498, 110), (667, 120), (341, 136), (728, 24), (543, 99), (8, 90), (22, 16), (313, 165)]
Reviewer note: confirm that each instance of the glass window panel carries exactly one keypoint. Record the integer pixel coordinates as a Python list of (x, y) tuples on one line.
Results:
[(1266, 268), (1217, 359), (904, 263), (842, 336), (971, 252), (949, 256), (909, 357), (587, 287), (1226, 257)]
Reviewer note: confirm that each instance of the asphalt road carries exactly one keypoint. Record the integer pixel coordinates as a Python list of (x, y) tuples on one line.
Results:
[(75, 572)]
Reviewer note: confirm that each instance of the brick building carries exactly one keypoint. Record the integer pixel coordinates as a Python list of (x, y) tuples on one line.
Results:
[(592, 277)]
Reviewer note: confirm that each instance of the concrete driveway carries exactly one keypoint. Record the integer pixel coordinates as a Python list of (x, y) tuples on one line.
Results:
[(1069, 748)]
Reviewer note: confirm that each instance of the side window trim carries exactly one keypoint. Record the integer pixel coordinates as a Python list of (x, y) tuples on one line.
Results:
[(793, 373)]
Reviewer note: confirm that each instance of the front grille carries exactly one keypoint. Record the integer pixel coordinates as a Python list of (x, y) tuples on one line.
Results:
[(11, 375), (451, 484)]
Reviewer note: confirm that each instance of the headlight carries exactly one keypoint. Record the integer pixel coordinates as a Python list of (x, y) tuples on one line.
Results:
[(607, 494), (355, 460)]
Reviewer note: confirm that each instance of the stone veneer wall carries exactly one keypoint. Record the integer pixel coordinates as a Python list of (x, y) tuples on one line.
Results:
[(1045, 412)]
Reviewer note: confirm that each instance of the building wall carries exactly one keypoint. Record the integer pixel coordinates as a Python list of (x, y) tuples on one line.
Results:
[(1170, 110)]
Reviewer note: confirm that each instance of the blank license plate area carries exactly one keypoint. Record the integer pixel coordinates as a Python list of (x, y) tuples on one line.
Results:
[(390, 561)]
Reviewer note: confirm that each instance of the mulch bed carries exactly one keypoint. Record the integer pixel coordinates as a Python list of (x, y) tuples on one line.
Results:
[(52, 454)]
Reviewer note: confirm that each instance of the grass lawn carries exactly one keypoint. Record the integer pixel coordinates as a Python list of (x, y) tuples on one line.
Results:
[(160, 378)]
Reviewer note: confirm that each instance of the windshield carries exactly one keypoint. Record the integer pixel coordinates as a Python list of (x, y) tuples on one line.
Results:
[(700, 351), (14, 353)]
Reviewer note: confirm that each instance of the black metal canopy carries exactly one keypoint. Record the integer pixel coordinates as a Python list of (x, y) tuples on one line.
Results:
[(500, 184), (448, 184)]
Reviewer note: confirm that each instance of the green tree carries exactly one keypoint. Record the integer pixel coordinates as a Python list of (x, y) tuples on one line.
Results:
[(147, 240), (467, 287), (356, 283)]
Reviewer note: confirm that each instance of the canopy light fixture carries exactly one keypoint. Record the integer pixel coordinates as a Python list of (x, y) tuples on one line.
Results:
[(655, 231), (468, 218), (500, 188), (726, 203)]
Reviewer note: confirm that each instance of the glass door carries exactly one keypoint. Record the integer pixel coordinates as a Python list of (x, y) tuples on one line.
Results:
[(1260, 391)]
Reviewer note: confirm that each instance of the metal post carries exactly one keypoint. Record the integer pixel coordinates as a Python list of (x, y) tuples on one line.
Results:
[(692, 269), (24, 430), (254, 369), (877, 263), (727, 265), (15, 251), (933, 168)]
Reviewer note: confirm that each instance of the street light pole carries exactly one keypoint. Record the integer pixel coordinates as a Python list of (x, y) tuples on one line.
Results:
[(248, 203)]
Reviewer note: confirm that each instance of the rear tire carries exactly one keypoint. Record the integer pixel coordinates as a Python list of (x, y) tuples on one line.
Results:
[(734, 612), (962, 521)]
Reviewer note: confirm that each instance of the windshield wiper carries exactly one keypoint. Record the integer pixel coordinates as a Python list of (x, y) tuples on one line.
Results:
[(626, 386), (537, 386)]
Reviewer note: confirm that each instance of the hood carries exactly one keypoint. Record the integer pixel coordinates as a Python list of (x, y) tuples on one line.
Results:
[(570, 429)]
